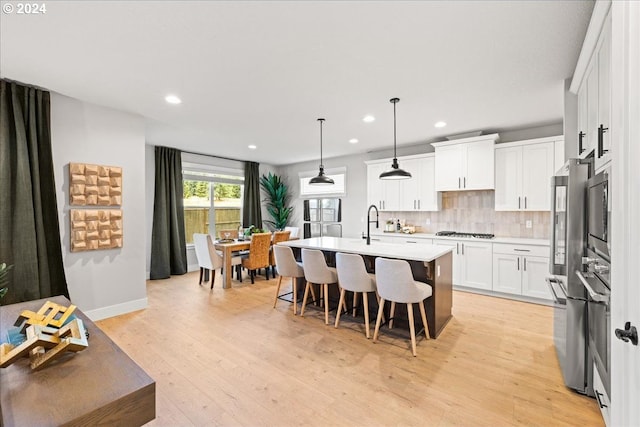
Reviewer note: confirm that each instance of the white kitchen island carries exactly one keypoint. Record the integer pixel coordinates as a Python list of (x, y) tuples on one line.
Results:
[(429, 263)]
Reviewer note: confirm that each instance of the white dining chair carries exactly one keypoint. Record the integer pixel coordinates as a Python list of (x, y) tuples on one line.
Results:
[(208, 258), (295, 231), (395, 284), (353, 277)]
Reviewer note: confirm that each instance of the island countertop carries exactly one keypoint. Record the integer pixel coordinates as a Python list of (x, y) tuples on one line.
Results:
[(425, 253)]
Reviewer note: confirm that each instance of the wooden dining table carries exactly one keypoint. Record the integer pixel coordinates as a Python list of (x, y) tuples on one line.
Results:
[(227, 250)]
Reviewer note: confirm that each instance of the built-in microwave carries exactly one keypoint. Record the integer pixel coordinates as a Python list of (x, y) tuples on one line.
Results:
[(599, 211)]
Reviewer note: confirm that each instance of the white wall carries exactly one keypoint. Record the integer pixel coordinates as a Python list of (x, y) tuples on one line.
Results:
[(102, 283)]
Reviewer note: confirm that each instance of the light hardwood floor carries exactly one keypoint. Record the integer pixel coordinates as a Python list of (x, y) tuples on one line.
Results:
[(226, 357)]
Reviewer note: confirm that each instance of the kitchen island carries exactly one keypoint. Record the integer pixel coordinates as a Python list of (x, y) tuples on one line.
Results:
[(429, 263)]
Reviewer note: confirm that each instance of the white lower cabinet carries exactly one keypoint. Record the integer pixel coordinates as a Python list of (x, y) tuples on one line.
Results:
[(472, 266), (521, 270)]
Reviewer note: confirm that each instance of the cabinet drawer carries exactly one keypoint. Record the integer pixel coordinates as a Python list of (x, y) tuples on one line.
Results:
[(524, 250)]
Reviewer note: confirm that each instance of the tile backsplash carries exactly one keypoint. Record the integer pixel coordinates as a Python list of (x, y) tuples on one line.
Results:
[(473, 212)]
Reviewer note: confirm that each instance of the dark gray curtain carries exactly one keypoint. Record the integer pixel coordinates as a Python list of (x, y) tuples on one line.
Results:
[(168, 247), (251, 209), (29, 229)]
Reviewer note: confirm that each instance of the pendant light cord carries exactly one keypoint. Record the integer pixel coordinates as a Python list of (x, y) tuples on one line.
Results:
[(394, 127), (321, 121)]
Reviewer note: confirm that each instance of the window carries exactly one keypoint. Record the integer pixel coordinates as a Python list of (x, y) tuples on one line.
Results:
[(337, 189), (212, 199)]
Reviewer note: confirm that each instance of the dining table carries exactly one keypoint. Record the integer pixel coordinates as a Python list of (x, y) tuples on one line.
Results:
[(227, 248)]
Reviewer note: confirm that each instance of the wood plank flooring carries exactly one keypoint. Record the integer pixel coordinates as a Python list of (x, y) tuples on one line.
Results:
[(226, 357)]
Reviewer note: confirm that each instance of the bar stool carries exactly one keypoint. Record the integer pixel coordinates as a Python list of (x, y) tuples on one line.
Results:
[(353, 277), (287, 266), (316, 271), (395, 283)]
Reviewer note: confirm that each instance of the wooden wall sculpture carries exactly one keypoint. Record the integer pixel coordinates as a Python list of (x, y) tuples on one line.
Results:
[(93, 229), (94, 185)]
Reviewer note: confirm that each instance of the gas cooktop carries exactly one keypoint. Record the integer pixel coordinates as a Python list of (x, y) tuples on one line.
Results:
[(458, 234)]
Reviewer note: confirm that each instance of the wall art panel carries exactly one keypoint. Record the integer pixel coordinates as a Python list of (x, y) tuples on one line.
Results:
[(94, 185), (93, 229)]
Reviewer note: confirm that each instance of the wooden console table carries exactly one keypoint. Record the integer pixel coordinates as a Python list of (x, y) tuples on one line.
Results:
[(99, 385)]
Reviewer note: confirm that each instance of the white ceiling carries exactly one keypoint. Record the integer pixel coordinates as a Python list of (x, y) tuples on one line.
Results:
[(262, 72)]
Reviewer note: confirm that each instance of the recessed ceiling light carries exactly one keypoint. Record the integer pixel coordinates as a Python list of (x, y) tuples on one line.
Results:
[(252, 147), (353, 140), (440, 124), (368, 119), (172, 99)]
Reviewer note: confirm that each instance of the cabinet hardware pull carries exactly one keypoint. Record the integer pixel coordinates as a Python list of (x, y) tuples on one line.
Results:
[(457, 249), (410, 241), (525, 202), (518, 263), (602, 405), (580, 137), (524, 262), (522, 250), (414, 204), (601, 131), (458, 182), (418, 203), (518, 202), (462, 244), (464, 182)]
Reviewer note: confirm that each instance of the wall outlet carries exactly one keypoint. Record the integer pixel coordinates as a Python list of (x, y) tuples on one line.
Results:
[(428, 221), (528, 224)]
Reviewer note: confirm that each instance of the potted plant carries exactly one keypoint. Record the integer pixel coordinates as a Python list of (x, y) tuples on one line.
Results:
[(251, 230), (277, 200)]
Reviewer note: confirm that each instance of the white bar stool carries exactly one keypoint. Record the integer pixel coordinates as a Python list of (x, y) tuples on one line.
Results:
[(287, 266), (395, 283), (316, 271)]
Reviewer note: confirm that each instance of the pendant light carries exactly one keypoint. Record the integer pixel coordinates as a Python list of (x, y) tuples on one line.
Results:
[(321, 179), (395, 172)]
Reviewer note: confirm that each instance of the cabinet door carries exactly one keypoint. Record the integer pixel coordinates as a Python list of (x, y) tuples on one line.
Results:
[(477, 265), (428, 197), (558, 161), (508, 195), (375, 194), (604, 92), (592, 107), (534, 272), (448, 168), (478, 164), (537, 169), (582, 121), (456, 259), (409, 188), (391, 190), (506, 274)]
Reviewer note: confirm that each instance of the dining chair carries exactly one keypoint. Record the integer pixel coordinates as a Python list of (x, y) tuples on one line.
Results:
[(395, 284), (228, 234), (208, 258), (278, 236), (316, 271), (353, 277), (287, 266), (258, 256)]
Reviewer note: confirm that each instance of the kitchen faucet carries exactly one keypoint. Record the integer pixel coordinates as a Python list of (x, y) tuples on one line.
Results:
[(369, 222)]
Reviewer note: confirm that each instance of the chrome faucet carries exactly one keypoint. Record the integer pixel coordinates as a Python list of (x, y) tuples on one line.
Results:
[(369, 222)]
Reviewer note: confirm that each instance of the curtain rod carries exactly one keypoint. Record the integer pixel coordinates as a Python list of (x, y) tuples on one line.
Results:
[(210, 155)]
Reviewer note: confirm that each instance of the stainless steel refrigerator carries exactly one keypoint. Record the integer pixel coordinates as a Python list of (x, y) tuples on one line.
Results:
[(570, 326), (322, 217)]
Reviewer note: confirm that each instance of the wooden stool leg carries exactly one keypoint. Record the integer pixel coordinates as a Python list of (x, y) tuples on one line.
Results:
[(378, 319), (378, 299), (355, 303), (313, 294), (412, 328), (365, 304), (304, 299), (275, 300), (392, 313), (213, 277), (424, 320), (340, 304), (326, 303), (294, 289)]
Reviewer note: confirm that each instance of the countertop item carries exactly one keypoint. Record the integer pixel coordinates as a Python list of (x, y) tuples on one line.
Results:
[(99, 385), (359, 246)]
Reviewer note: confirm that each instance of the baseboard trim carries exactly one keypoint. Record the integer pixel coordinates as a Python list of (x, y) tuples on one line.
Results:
[(117, 309)]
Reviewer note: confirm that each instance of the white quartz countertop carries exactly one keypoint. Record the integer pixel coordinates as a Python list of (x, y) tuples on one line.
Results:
[(508, 240), (425, 253)]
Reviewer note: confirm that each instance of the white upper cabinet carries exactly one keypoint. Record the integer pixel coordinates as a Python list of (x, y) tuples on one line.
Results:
[(523, 173), (594, 97), (465, 164), (414, 194)]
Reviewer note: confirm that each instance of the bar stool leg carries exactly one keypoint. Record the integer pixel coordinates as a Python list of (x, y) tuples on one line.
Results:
[(340, 304), (378, 319), (412, 328), (365, 303), (392, 313), (355, 303), (294, 288), (275, 300), (424, 320), (325, 286), (304, 299)]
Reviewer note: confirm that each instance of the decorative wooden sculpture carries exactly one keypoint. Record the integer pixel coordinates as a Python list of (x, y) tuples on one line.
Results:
[(94, 185), (47, 336), (95, 229)]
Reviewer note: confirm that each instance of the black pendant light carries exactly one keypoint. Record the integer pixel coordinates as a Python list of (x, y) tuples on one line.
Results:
[(321, 179), (395, 172)]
